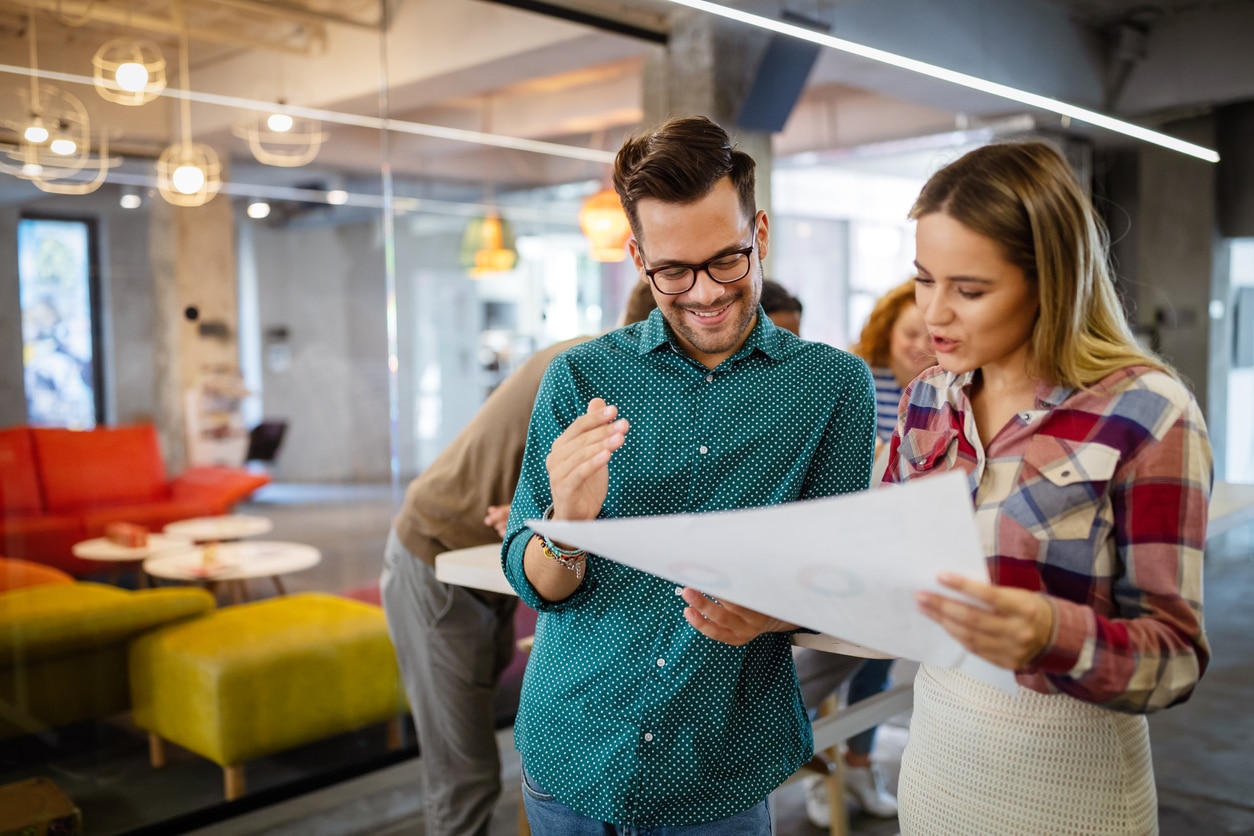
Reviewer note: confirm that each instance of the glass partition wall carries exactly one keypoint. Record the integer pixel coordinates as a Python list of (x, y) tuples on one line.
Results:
[(264, 259)]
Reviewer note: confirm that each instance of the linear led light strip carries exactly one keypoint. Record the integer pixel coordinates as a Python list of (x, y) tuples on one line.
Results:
[(535, 146), (1079, 114)]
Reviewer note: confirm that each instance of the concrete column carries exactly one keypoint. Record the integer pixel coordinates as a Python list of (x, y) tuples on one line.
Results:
[(705, 71), (193, 265), (1165, 231)]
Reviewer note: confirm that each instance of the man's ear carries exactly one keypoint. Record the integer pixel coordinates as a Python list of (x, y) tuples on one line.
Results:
[(633, 247), (763, 234)]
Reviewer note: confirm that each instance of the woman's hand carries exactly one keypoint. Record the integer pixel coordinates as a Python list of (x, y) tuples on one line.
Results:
[(1010, 633), (726, 622)]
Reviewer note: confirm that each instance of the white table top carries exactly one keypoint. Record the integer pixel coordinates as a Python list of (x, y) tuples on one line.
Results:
[(225, 527), (99, 548), (478, 567), (235, 561)]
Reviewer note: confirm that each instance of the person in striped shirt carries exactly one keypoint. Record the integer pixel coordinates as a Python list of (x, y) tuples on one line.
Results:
[(1090, 473)]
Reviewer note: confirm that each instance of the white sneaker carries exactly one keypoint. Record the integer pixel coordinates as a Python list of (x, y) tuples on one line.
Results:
[(867, 787), (817, 809)]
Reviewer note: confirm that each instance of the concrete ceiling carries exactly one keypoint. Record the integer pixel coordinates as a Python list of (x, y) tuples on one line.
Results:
[(484, 65)]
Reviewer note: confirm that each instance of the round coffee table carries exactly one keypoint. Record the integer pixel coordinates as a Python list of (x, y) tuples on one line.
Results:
[(234, 563), (217, 529), (101, 549)]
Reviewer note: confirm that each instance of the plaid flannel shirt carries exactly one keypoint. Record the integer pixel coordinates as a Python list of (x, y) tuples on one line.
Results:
[(1099, 498)]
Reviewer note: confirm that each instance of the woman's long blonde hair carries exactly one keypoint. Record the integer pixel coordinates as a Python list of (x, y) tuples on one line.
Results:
[(1024, 196)]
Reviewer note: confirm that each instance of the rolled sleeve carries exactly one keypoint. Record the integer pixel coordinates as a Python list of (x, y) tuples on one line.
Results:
[(1150, 654)]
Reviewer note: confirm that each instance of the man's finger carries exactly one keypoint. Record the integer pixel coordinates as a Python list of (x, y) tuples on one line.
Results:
[(711, 630), (704, 605)]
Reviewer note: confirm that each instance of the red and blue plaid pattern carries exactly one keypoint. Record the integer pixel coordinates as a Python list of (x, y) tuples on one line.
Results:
[(1099, 498)]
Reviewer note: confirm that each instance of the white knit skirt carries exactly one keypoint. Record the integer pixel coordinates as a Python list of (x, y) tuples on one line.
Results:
[(980, 760)]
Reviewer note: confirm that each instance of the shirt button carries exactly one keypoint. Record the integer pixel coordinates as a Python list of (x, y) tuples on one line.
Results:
[(704, 449), (679, 590), (709, 378), (648, 737), (661, 663)]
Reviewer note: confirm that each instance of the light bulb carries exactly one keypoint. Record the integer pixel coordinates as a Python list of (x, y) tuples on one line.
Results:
[(130, 200), (258, 210), (36, 132), (63, 147), (280, 123), (188, 179), (337, 197), (32, 170), (131, 77)]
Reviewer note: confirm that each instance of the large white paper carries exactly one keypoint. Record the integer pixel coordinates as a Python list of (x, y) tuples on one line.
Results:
[(848, 566)]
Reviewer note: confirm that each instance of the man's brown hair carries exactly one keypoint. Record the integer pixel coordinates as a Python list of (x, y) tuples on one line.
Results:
[(680, 161)]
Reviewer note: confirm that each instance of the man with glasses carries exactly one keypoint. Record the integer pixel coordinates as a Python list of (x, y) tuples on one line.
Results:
[(645, 705)]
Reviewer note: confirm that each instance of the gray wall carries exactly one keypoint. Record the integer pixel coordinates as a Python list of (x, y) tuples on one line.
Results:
[(12, 392), (1161, 210), (326, 287), (126, 304)]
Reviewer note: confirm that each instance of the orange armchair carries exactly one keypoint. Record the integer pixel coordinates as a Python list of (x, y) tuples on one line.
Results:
[(58, 487)]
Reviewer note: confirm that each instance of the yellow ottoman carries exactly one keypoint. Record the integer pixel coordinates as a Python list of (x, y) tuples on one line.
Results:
[(255, 679)]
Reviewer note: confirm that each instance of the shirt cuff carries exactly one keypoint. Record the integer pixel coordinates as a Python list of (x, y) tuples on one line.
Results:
[(516, 574), (1070, 648)]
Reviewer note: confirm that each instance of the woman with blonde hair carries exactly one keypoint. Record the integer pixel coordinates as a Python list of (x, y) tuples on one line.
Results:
[(1090, 472)]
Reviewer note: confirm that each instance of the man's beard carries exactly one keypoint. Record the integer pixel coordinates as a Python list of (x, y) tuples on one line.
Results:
[(726, 339)]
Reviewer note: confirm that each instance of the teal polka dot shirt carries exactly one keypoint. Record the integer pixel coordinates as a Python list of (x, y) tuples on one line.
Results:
[(628, 714)]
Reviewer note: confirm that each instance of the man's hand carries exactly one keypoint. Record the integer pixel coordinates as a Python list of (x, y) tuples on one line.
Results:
[(497, 517), (1011, 632), (578, 462), (727, 623)]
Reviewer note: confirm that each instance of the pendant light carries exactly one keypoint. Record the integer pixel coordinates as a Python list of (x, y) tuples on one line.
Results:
[(605, 223), (128, 71), (54, 150), (188, 173), (488, 246)]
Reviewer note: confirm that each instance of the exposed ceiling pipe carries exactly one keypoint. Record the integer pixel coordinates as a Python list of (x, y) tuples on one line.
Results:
[(1127, 52)]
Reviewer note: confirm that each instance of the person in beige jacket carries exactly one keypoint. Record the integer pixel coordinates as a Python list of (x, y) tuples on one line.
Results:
[(452, 643)]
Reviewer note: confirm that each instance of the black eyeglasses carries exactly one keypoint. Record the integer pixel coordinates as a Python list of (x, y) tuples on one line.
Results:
[(674, 279)]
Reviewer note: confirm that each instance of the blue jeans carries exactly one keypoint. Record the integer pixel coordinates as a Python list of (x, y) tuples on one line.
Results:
[(550, 817), (871, 679)]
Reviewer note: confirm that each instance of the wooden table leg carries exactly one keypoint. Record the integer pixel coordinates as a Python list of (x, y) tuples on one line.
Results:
[(233, 781), (156, 751), (278, 584), (396, 733)]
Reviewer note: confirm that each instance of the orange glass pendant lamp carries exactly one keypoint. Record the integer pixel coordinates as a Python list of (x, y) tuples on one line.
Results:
[(488, 246), (605, 223)]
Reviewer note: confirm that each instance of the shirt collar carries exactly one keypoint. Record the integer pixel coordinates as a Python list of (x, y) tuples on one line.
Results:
[(655, 333), (1047, 395)]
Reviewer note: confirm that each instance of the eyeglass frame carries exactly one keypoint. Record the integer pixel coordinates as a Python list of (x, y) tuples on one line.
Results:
[(697, 268)]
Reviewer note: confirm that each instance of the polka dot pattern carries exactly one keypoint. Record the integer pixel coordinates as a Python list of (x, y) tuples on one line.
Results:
[(628, 714)]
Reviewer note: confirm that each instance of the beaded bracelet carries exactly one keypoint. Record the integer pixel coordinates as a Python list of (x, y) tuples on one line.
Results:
[(571, 559)]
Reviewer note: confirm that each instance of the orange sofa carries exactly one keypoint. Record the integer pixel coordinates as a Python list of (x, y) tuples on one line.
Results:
[(58, 487)]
